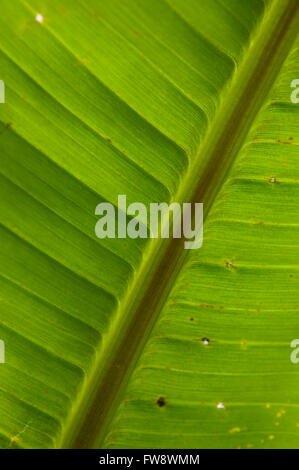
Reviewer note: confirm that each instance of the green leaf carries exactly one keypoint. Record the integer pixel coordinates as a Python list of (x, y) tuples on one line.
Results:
[(161, 101)]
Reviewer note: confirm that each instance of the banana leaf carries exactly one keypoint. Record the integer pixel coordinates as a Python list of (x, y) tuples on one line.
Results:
[(138, 343)]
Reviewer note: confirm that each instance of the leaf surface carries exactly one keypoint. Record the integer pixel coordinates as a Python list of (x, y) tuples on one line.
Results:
[(131, 97)]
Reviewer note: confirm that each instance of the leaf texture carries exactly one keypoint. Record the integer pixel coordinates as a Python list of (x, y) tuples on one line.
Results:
[(117, 97)]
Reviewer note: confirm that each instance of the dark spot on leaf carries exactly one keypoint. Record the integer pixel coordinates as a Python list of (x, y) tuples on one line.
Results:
[(161, 402), (4, 127), (291, 275), (205, 341), (291, 138), (109, 140), (191, 319)]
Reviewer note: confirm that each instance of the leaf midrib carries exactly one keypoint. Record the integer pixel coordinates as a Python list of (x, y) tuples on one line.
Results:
[(100, 396)]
